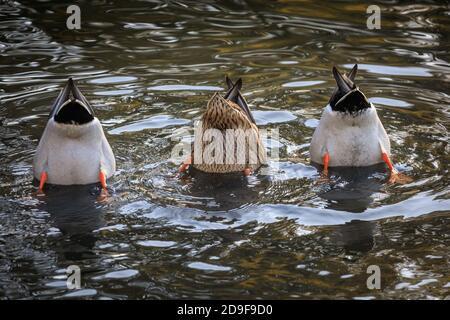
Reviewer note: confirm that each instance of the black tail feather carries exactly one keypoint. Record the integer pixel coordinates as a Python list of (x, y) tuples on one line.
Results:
[(229, 83), (71, 106), (352, 74), (346, 96), (353, 102), (234, 94)]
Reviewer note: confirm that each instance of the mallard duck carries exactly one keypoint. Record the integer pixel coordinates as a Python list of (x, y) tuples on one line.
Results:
[(227, 138), (73, 149), (350, 134)]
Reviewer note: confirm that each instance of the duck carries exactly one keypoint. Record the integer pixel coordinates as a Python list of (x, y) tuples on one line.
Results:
[(350, 133), (73, 149), (227, 139)]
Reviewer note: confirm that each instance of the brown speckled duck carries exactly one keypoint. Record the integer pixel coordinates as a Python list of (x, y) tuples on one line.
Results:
[(227, 138)]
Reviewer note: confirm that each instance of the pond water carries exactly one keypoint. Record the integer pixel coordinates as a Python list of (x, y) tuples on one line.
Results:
[(148, 68)]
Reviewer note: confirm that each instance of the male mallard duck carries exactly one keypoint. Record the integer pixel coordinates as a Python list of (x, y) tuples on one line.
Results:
[(350, 133), (227, 138), (73, 148)]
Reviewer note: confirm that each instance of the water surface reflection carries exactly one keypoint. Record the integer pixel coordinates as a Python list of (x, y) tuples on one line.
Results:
[(149, 68)]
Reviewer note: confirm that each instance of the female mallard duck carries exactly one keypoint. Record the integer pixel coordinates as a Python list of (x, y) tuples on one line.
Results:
[(73, 148), (350, 134), (227, 138)]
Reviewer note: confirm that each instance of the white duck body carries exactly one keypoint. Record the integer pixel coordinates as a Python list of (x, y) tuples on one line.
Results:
[(353, 140), (73, 148), (74, 154)]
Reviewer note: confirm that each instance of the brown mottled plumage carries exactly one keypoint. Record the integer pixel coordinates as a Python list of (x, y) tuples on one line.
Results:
[(223, 113)]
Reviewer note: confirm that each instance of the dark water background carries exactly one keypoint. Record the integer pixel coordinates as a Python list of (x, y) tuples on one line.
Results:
[(149, 67)]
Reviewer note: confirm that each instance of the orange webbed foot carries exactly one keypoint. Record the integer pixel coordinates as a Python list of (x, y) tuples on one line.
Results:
[(324, 178), (185, 166), (42, 181), (247, 172), (103, 196), (395, 176), (400, 178)]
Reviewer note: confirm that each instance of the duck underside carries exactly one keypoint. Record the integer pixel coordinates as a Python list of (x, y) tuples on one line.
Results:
[(229, 157), (73, 163), (73, 112), (349, 142), (73, 154), (227, 139), (350, 148)]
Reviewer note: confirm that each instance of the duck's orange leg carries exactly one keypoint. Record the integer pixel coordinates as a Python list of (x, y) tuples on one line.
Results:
[(42, 181), (185, 166), (104, 193), (326, 161), (395, 176)]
